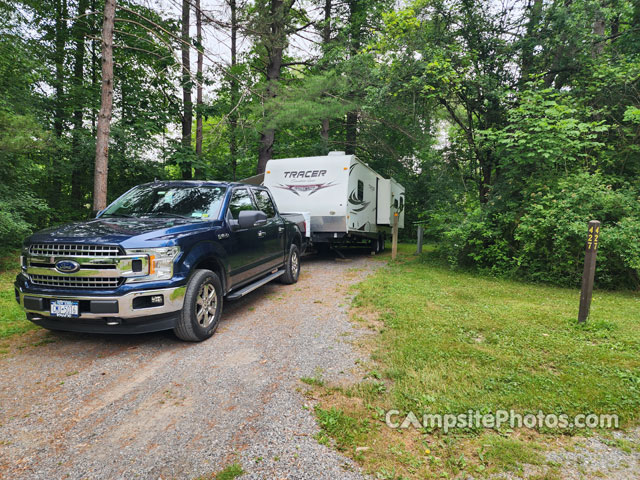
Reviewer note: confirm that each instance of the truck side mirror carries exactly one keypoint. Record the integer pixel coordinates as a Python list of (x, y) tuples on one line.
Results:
[(251, 218)]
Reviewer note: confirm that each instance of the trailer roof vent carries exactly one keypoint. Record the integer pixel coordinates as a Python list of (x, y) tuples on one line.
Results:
[(336, 154)]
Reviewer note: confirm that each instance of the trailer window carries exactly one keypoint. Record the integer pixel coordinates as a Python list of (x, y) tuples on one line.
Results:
[(401, 203), (264, 202), (360, 190)]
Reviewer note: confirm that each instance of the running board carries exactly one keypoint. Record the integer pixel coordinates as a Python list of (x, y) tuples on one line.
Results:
[(251, 287)]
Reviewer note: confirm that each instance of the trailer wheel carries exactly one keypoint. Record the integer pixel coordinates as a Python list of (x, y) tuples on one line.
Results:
[(381, 242), (375, 245)]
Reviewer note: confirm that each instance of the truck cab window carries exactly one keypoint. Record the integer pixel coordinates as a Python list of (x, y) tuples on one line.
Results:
[(264, 202), (240, 200), (360, 190)]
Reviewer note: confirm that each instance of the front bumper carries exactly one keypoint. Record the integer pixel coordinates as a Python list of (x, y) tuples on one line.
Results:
[(106, 314), (101, 307)]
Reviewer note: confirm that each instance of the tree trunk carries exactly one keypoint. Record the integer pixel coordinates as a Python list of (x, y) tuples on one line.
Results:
[(79, 29), (235, 93), (94, 63), (598, 34), (187, 114), (351, 133), (530, 40), (199, 171), (326, 38), (106, 104), (274, 66), (355, 27), (60, 46)]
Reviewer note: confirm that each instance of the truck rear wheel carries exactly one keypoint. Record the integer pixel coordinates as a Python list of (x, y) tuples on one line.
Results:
[(200, 314), (291, 266)]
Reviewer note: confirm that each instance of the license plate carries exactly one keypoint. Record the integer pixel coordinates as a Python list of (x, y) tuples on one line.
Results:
[(65, 308)]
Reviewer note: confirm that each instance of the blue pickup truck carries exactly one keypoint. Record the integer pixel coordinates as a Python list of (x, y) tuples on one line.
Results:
[(162, 256)]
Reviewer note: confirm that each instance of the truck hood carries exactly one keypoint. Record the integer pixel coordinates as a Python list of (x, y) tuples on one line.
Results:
[(129, 232)]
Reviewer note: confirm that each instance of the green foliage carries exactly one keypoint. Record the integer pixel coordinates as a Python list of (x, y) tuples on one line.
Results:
[(545, 241), (230, 472), (21, 141), (545, 135), (12, 318), (551, 234), (346, 430)]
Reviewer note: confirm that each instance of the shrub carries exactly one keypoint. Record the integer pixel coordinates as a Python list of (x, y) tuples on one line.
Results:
[(544, 239), (551, 234)]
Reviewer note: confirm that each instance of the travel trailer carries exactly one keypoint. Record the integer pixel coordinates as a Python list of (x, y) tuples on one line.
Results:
[(348, 202)]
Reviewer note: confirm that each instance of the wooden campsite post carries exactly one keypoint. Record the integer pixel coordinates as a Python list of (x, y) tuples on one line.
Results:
[(588, 274), (419, 244), (394, 240)]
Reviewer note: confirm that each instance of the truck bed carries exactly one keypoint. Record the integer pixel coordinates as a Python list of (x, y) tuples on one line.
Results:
[(303, 221)]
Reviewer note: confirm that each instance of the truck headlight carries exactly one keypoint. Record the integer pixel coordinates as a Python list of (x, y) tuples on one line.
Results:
[(160, 262)]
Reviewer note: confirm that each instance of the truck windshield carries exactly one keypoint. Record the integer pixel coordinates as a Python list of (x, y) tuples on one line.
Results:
[(196, 203)]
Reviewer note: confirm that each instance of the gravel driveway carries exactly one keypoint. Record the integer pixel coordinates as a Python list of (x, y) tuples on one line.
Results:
[(150, 406)]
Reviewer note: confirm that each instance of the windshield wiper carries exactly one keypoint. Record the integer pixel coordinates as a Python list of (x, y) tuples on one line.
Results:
[(123, 215), (168, 215)]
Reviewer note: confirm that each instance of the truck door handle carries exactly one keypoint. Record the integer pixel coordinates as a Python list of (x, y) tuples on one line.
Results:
[(280, 229), (261, 233)]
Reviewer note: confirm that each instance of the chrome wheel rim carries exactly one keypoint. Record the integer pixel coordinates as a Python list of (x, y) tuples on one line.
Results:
[(206, 305), (294, 264)]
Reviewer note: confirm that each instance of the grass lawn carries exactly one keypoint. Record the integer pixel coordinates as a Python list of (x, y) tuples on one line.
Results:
[(453, 341), (12, 318)]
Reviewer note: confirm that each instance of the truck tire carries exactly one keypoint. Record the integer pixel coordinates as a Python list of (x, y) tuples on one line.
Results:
[(291, 266), (200, 314)]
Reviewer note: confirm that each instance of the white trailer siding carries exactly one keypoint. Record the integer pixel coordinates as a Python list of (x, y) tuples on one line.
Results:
[(341, 193), (390, 200), (384, 201), (318, 185), (361, 214)]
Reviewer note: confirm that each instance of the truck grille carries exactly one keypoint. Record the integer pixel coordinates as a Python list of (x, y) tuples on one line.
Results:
[(72, 250), (76, 282)]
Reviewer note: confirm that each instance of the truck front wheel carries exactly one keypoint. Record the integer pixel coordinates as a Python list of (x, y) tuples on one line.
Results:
[(202, 307), (291, 266)]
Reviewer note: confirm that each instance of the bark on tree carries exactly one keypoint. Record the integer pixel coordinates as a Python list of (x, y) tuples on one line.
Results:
[(78, 33), (94, 63), (275, 48), (326, 38), (106, 104), (598, 34), (61, 13), (235, 93), (187, 114), (199, 171), (530, 40), (355, 25)]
